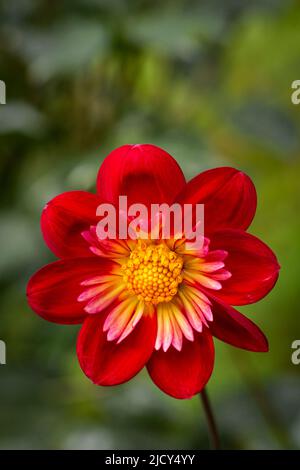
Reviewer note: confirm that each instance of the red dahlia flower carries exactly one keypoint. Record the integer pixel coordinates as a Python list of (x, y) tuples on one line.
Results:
[(154, 303)]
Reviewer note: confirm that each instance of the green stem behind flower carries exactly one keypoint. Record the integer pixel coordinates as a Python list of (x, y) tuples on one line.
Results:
[(211, 422)]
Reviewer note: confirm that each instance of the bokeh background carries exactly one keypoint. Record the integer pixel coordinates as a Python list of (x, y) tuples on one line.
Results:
[(209, 81)]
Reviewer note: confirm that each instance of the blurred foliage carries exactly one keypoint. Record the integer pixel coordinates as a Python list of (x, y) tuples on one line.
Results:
[(210, 82)]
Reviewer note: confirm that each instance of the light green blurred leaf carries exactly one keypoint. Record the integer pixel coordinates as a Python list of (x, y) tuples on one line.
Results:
[(66, 48), (21, 117)]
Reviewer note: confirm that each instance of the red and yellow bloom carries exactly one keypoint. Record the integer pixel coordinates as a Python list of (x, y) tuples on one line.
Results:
[(149, 302)]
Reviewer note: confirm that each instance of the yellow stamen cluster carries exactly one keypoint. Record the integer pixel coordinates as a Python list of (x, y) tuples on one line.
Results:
[(153, 272)]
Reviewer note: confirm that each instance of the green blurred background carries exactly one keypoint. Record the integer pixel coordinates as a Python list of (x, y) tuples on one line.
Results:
[(209, 81)]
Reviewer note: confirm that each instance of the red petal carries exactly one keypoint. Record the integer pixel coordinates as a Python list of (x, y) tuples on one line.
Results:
[(234, 328), (253, 266), (184, 373), (229, 197), (108, 363), (144, 173), (53, 290), (64, 218)]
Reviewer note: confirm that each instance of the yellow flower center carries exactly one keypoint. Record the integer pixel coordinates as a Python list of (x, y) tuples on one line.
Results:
[(153, 272)]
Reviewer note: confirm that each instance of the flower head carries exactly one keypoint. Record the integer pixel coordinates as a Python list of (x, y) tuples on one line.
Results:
[(154, 302)]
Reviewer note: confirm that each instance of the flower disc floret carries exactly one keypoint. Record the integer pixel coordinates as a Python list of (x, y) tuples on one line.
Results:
[(153, 273)]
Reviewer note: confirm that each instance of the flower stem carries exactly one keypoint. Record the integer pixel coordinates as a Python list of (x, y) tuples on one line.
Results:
[(211, 422)]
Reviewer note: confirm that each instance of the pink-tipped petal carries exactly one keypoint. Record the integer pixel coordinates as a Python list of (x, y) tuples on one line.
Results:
[(53, 291), (108, 363)]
